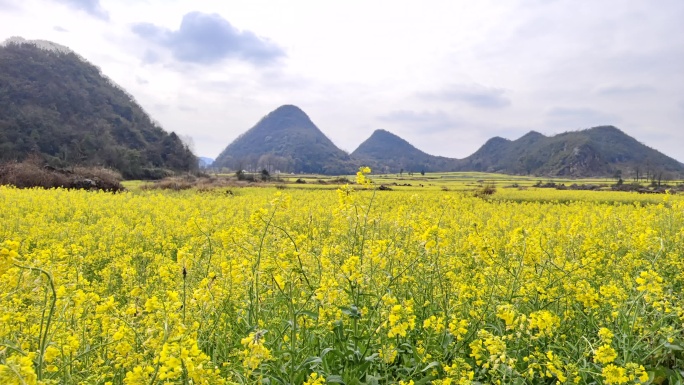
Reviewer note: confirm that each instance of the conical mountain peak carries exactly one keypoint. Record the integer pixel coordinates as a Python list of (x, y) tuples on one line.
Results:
[(288, 109), (288, 114), (383, 143), (533, 134), (285, 140), (384, 134), (387, 152)]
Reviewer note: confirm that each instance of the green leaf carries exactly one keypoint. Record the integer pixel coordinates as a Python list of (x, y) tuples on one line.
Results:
[(362, 367), (372, 357), (331, 350), (334, 379), (424, 380), (431, 365), (352, 311), (372, 380), (310, 361), (673, 346), (309, 314), (338, 329)]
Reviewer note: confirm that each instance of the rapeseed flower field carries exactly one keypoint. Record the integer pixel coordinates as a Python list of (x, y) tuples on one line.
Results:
[(353, 286)]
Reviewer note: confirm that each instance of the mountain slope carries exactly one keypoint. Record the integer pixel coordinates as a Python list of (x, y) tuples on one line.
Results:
[(598, 151), (285, 140), (54, 103), (388, 153)]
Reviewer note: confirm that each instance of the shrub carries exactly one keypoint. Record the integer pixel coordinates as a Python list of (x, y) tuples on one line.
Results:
[(186, 182), (175, 184), (265, 175), (155, 173), (486, 190), (340, 180), (32, 174)]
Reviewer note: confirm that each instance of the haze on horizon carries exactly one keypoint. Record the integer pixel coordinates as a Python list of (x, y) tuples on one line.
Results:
[(444, 75)]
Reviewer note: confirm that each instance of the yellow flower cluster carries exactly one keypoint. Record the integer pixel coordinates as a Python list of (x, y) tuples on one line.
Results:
[(255, 352), (18, 370), (605, 354), (437, 287), (361, 177), (401, 319), (543, 323), (632, 373), (315, 379)]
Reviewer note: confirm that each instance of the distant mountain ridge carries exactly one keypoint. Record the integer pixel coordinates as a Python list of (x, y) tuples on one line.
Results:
[(205, 162), (287, 140), (56, 104), (598, 151)]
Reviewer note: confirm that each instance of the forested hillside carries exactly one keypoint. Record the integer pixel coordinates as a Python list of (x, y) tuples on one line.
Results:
[(597, 151), (56, 104)]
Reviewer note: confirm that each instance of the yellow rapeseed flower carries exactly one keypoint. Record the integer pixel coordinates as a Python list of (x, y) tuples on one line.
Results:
[(315, 379), (614, 375)]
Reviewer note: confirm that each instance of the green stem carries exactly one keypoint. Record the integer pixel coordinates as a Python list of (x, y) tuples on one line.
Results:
[(255, 272), (211, 249), (44, 337), (185, 284)]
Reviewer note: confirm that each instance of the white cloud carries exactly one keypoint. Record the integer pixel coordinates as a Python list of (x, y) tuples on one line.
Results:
[(92, 7), (8, 5), (423, 122), (580, 117), (208, 39), (625, 90), (474, 95)]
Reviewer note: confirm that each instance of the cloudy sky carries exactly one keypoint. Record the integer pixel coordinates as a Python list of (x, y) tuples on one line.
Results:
[(444, 75)]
